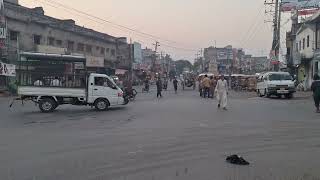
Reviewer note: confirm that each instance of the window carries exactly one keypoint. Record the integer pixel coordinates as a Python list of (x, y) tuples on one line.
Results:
[(102, 50), (303, 43), (37, 39), (107, 50), (50, 41), (59, 43), (70, 45), (316, 68), (80, 47), (299, 45), (88, 49), (308, 41), (97, 48), (101, 81), (14, 35), (113, 52)]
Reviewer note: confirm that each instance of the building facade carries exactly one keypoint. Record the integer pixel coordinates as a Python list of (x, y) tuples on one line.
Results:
[(32, 31)]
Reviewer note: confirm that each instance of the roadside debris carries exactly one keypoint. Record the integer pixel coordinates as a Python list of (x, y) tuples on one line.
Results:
[(238, 160)]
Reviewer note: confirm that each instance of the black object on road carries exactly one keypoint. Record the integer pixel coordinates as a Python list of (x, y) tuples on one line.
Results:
[(238, 160)]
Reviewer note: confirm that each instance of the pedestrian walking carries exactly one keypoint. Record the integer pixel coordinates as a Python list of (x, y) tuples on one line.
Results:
[(206, 86), (175, 85), (315, 87), (222, 92), (159, 88), (212, 86)]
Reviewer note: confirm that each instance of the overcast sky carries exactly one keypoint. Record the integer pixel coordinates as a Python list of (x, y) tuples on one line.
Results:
[(185, 25)]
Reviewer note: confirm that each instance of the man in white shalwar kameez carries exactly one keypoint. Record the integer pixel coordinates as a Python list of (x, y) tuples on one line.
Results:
[(222, 92)]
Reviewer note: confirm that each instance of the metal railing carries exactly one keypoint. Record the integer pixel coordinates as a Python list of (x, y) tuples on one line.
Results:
[(47, 79)]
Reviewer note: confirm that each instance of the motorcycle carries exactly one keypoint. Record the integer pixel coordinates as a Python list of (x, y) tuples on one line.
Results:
[(146, 88), (130, 94)]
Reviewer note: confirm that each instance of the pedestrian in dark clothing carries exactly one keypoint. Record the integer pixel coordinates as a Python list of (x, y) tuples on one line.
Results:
[(159, 88), (315, 87), (175, 85)]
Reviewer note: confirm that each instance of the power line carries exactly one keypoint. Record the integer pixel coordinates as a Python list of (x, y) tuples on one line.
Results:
[(120, 27), (110, 22)]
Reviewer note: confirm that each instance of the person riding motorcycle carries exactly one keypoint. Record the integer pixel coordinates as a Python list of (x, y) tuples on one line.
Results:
[(146, 85)]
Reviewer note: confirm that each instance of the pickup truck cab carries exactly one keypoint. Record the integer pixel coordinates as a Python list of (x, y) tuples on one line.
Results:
[(100, 92), (276, 83)]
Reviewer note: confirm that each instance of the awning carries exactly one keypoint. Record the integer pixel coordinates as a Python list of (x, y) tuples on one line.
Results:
[(120, 71)]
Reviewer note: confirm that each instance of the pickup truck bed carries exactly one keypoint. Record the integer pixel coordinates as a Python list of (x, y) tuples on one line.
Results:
[(51, 91)]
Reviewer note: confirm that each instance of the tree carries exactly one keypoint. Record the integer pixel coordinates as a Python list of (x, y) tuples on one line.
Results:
[(181, 65)]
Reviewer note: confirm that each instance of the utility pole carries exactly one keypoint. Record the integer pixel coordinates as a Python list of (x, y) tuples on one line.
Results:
[(156, 45), (276, 29)]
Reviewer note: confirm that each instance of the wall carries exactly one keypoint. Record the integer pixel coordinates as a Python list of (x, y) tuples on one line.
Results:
[(306, 52), (29, 22)]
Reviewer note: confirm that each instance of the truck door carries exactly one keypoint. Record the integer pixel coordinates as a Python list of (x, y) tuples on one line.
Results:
[(104, 88)]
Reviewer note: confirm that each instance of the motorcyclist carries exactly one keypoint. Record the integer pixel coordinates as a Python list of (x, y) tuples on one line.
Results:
[(146, 85)]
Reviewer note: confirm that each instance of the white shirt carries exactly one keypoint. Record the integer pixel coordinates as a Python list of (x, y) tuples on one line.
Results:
[(222, 86), (38, 83), (55, 82)]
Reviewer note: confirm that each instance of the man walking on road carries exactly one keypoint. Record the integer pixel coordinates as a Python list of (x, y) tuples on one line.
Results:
[(159, 88), (222, 92), (175, 85), (315, 87), (206, 82)]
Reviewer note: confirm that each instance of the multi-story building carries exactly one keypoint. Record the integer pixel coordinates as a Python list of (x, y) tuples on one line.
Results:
[(148, 58), (260, 64), (304, 52), (222, 57), (29, 29)]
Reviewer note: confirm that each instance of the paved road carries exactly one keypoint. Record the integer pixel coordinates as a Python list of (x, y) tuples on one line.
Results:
[(178, 137)]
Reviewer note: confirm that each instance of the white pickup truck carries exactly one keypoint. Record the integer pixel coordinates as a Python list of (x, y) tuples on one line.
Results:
[(99, 91)]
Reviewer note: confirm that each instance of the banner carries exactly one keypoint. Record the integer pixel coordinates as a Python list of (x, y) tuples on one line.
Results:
[(289, 5), (7, 69), (94, 61)]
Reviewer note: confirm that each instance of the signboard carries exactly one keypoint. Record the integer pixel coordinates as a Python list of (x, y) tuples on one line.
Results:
[(92, 61), (289, 5), (50, 49), (307, 12), (78, 65), (7, 69)]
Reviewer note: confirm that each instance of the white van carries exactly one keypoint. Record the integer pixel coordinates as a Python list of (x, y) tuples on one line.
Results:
[(276, 83)]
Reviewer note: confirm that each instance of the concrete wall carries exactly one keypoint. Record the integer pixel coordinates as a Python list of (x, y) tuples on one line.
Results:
[(30, 22), (306, 52)]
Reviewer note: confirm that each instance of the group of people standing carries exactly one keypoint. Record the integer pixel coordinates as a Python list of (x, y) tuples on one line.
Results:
[(208, 87)]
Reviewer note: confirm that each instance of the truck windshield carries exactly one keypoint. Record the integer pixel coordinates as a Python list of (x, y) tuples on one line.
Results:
[(279, 77)]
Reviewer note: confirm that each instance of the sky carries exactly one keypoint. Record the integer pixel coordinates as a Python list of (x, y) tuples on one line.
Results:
[(182, 27)]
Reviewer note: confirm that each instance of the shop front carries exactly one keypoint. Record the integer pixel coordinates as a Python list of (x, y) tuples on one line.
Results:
[(7, 75)]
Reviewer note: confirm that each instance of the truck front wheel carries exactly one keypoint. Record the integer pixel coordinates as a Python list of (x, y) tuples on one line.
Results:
[(47, 105), (101, 104)]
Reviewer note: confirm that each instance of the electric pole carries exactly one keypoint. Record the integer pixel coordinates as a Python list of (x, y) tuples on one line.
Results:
[(157, 44), (276, 28)]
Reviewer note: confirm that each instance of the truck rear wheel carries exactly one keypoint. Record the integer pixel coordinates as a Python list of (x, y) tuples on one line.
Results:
[(47, 105), (101, 104)]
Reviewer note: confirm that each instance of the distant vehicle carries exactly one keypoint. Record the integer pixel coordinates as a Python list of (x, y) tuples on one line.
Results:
[(188, 80), (98, 90), (276, 83)]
